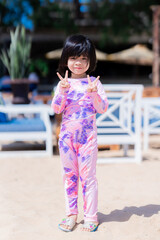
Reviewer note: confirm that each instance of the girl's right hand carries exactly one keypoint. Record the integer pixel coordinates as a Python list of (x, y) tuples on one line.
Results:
[(64, 81)]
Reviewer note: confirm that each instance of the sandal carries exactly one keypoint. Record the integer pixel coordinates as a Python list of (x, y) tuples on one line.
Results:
[(68, 222), (90, 226)]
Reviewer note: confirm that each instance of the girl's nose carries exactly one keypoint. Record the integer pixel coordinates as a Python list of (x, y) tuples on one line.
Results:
[(78, 62)]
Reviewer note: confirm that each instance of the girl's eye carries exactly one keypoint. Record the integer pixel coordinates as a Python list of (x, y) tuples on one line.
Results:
[(84, 58), (72, 58)]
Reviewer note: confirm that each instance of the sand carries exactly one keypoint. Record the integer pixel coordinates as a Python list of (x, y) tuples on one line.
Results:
[(32, 200)]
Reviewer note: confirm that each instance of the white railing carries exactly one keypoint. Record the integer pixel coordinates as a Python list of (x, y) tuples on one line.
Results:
[(121, 124), (43, 111), (151, 118)]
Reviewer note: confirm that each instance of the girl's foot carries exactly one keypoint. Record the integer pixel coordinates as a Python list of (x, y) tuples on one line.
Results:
[(90, 226), (68, 223)]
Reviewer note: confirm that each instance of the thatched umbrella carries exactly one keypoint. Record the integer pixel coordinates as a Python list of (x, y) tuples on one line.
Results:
[(55, 54), (136, 55)]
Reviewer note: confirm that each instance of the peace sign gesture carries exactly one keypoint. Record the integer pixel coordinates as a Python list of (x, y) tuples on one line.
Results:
[(92, 86), (64, 81)]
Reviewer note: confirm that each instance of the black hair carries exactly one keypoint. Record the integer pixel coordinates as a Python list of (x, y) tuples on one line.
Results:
[(77, 45)]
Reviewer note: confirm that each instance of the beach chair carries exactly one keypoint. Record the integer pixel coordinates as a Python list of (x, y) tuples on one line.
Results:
[(121, 124), (151, 119), (26, 123)]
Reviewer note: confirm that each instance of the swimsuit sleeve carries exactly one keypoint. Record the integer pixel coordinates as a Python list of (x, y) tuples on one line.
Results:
[(59, 99), (99, 99)]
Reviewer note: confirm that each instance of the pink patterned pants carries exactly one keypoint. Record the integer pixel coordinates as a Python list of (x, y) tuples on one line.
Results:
[(78, 152)]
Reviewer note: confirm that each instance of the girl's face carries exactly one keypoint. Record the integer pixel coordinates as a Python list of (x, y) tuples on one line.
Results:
[(78, 66)]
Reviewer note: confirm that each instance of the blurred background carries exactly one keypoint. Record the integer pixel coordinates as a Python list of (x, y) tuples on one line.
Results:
[(113, 26)]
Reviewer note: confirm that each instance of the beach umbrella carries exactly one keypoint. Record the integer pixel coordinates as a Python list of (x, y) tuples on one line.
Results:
[(136, 55), (56, 54)]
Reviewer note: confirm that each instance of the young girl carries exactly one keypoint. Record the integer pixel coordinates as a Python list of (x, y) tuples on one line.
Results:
[(79, 97)]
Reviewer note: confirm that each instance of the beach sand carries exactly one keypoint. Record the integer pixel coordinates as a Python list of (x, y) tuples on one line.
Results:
[(32, 200)]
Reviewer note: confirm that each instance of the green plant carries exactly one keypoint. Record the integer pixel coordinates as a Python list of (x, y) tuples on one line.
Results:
[(39, 65), (17, 58)]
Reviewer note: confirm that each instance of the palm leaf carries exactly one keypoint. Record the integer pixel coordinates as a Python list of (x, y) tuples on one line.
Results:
[(17, 58)]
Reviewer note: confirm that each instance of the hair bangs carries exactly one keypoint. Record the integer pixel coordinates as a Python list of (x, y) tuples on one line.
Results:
[(77, 50)]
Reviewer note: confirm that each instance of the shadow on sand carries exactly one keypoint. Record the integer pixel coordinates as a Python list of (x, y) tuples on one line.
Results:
[(124, 214)]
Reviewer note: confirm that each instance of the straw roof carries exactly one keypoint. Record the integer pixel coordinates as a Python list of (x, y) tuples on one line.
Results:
[(138, 54)]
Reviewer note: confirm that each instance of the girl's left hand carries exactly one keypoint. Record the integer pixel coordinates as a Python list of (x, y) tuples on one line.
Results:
[(92, 86)]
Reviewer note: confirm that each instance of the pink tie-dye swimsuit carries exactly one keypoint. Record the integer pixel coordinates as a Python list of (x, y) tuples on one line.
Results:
[(78, 142)]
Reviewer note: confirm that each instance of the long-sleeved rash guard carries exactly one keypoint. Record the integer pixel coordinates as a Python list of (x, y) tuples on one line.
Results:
[(77, 103), (78, 142)]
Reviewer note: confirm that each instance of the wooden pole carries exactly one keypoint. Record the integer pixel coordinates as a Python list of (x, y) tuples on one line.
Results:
[(155, 64), (78, 14)]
